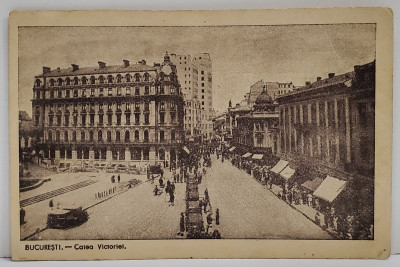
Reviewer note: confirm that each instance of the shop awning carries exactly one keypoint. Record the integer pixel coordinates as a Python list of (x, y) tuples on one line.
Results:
[(330, 188), (232, 148), (287, 173), (257, 156), (279, 166), (246, 155), (186, 149), (312, 185)]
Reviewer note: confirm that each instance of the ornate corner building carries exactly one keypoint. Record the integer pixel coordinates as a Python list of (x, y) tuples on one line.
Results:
[(130, 113)]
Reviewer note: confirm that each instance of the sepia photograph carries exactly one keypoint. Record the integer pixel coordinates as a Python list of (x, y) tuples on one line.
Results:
[(177, 132)]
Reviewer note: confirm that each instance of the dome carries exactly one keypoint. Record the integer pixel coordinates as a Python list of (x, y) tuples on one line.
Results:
[(264, 98)]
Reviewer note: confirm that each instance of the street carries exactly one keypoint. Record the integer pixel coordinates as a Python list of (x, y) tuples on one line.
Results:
[(247, 210)]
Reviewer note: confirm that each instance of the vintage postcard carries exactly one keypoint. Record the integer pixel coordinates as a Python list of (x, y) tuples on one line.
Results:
[(201, 134)]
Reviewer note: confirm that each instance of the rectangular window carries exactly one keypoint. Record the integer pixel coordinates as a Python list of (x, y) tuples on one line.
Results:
[(100, 106), (100, 119), (109, 91), (118, 119), (109, 117), (146, 118), (119, 91), (146, 90), (91, 119), (137, 118), (128, 119), (162, 118), (128, 91), (101, 92), (67, 94), (83, 92), (75, 93), (92, 92), (137, 91), (51, 94)]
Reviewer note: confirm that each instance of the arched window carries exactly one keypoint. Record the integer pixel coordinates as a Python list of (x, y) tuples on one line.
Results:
[(119, 78), (84, 80), (137, 77), (82, 136), (136, 135), (128, 78), (74, 136), (92, 80), (109, 78), (101, 79), (76, 81), (37, 83), (91, 136), (59, 82), (127, 136), (51, 82), (68, 81), (66, 136), (117, 136), (146, 77), (100, 136), (50, 136), (146, 136), (109, 136), (58, 136)]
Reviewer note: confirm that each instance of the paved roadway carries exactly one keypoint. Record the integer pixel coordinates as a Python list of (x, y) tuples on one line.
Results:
[(247, 210)]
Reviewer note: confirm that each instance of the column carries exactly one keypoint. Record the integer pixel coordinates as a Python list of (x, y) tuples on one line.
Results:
[(294, 128), (284, 129), (328, 152), (318, 128), (96, 115), (74, 154), (57, 154), (337, 158), (127, 154), (152, 155), (91, 153), (109, 154), (290, 128), (123, 115), (302, 135), (347, 114)]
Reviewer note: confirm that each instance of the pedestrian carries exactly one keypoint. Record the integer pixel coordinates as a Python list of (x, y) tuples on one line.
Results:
[(22, 216), (119, 178), (205, 203), (171, 197), (182, 224), (217, 217), (317, 218), (51, 204), (155, 191), (290, 197), (174, 178)]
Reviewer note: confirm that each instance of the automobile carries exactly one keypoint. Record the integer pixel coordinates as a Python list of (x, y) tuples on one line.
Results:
[(64, 218)]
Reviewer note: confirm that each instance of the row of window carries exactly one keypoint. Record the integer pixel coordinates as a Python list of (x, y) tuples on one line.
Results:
[(101, 92), (56, 120), (93, 80), (108, 136)]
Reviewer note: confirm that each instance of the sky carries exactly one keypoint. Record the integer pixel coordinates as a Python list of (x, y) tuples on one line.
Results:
[(241, 55)]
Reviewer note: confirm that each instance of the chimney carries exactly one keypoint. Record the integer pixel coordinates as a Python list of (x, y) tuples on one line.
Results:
[(58, 69), (46, 70), (142, 62), (102, 65), (126, 63), (319, 78), (308, 83), (331, 75), (75, 67)]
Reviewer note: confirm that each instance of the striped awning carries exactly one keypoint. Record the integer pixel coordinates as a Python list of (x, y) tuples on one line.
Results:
[(246, 155), (279, 166)]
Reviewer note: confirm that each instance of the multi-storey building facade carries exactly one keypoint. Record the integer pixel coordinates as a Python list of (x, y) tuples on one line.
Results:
[(122, 113), (257, 131), (195, 76), (275, 90), (328, 128)]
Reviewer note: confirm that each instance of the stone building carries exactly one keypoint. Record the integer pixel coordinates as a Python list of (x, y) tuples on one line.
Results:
[(256, 131), (275, 90), (129, 113), (327, 128), (195, 76)]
